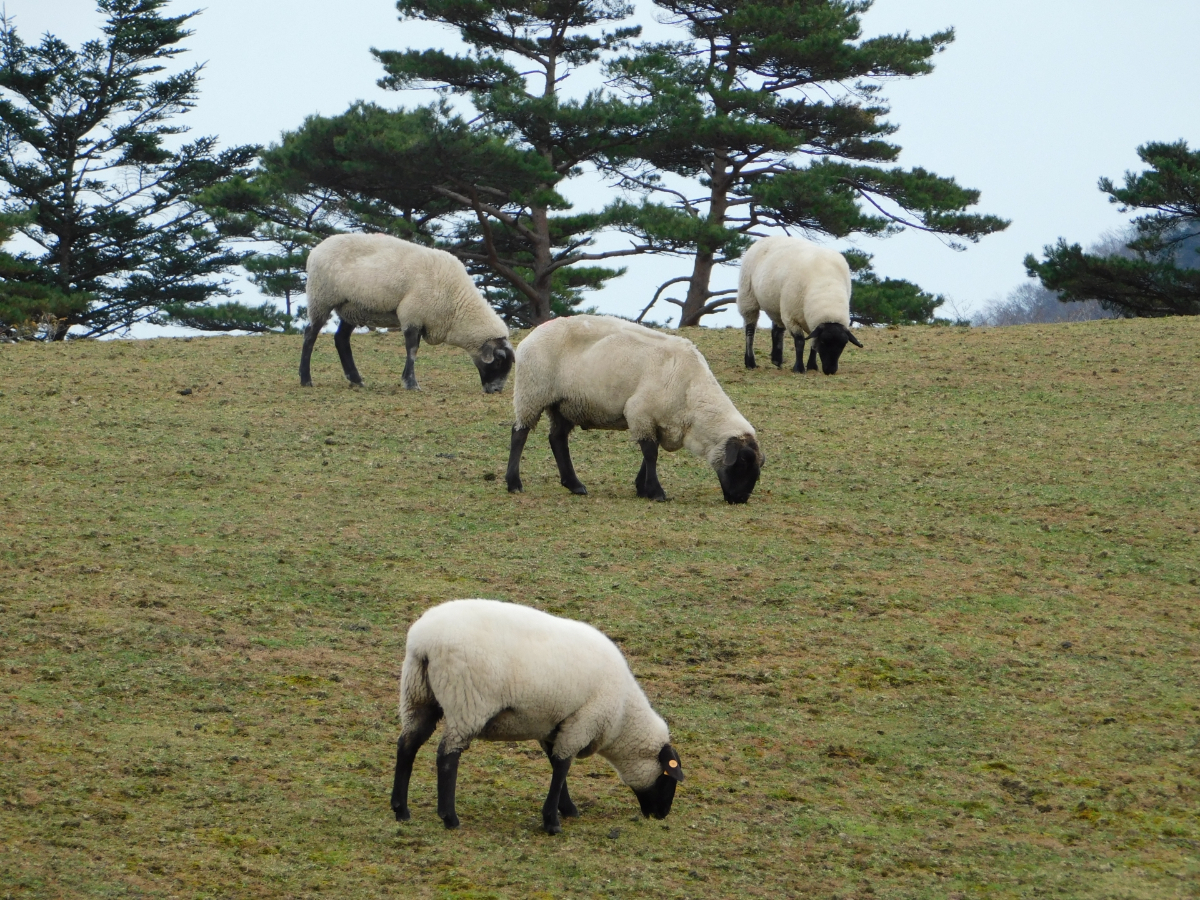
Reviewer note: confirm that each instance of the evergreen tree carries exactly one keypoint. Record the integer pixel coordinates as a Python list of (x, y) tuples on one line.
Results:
[(83, 153), (487, 190), (28, 305), (777, 113), (292, 220), (887, 301), (1159, 275)]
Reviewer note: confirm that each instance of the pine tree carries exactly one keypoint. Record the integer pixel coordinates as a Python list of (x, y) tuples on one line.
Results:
[(488, 190), (28, 305), (84, 134), (778, 115), (888, 301), (259, 210), (1160, 273)]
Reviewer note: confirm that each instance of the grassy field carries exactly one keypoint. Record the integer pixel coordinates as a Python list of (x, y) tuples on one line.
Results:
[(949, 648)]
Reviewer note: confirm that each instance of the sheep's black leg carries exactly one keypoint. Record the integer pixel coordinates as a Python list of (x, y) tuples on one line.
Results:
[(798, 340), (341, 340), (777, 344), (310, 338), (812, 358), (558, 787), (406, 751), (520, 434), (566, 808), (647, 483), (447, 772), (560, 432), (412, 340), (750, 363)]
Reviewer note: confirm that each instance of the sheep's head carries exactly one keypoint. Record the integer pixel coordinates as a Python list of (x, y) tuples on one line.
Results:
[(830, 340), (739, 468), (656, 800), (494, 362)]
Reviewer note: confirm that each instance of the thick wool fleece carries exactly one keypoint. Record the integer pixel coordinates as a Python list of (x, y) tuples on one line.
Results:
[(609, 373), (504, 672), (383, 282), (798, 284)]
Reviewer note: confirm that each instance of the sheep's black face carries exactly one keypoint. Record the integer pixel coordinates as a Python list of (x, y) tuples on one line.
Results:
[(830, 340), (495, 361), (740, 469), (656, 800)]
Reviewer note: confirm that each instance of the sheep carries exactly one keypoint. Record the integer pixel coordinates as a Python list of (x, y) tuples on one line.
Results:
[(504, 672), (602, 372), (379, 281), (803, 289)]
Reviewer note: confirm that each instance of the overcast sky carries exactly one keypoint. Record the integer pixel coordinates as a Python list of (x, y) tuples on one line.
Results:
[(1031, 104)]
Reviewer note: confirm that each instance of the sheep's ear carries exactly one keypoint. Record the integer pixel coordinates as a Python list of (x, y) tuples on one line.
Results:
[(669, 760), (487, 353), (732, 447), (753, 445), (850, 337)]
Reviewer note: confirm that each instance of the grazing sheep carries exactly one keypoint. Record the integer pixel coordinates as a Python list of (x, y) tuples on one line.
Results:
[(601, 372), (803, 289), (383, 282), (504, 672)]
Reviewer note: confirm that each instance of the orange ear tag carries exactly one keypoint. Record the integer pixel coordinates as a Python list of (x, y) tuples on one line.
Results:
[(672, 763)]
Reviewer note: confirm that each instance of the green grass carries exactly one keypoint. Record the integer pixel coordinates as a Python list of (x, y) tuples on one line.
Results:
[(949, 648)]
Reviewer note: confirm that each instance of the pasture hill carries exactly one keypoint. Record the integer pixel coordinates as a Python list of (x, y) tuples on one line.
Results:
[(948, 649)]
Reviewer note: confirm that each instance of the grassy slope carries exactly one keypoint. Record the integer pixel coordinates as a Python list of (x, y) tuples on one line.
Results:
[(949, 648)]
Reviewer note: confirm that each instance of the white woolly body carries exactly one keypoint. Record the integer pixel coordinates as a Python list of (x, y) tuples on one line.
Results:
[(383, 282), (609, 373), (504, 672), (798, 284)]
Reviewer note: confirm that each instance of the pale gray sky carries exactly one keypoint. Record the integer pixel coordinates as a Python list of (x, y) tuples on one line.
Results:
[(1034, 101)]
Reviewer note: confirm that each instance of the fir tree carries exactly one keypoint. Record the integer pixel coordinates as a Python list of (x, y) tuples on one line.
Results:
[(1159, 275), (488, 190), (778, 115), (83, 152), (29, 307), (888, 301)]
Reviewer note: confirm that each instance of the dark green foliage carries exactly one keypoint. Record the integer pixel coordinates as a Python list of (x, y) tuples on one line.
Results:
[(774, 106), (891, 301), (487, 190), (887, 301), (292, 219), (225, 317), (28, 305), (85, 136), (1158, 277)]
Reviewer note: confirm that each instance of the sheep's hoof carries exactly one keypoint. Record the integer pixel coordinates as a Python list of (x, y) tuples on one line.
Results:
[(515, 487), (450, 821), (569, 811), (402, 815), (411, 386), (576, 489), (304, 383), (751, 364), (552, 827)]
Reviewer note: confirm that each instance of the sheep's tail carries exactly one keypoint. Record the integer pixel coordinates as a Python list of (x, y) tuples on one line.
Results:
[(417, 701)]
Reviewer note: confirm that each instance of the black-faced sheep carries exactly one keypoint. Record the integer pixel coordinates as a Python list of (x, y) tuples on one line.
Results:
[(503, 672), (379, 281), (805, 290), (602, 372)]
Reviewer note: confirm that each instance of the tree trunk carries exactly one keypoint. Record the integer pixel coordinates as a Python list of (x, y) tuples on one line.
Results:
[(697, 295), (539, 307), (718, 206)]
